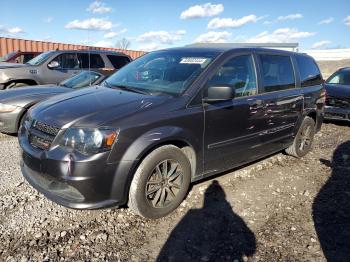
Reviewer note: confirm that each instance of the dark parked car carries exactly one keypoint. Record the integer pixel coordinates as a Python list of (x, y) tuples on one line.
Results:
[(15, 103), (338, 95), (167, 119), (19, 57)]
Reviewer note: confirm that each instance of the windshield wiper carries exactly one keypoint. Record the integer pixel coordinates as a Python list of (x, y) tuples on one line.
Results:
[(129, 88)]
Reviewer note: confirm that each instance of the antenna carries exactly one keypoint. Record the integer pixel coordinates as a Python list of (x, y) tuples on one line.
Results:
[(89, 47)]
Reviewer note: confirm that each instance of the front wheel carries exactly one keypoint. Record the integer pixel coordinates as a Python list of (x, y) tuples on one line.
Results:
[(302, 143), (160, 182)]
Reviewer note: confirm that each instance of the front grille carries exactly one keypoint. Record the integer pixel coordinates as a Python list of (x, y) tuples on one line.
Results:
[(41, 135), (45, 128), (342, 102)]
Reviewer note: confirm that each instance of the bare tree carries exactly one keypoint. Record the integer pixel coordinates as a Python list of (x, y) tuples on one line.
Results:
[(123, 44)]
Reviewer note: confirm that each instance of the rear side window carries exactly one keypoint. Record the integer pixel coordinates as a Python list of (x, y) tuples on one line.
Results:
[(309, 73), (90, 61), (277, 73), (118, 61), (27, 57)]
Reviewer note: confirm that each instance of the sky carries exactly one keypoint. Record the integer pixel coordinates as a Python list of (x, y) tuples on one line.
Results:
[(151, 25)]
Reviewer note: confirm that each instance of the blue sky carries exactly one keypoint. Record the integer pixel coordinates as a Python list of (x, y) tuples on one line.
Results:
[(157, 24)]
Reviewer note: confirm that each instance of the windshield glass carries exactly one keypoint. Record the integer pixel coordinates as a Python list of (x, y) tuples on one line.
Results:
[(81, 80), (6, 57), (40, 58), (340, 78), (170, 72)]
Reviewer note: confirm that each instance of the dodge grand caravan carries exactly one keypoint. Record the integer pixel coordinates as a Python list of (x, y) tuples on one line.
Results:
[(167, 119)]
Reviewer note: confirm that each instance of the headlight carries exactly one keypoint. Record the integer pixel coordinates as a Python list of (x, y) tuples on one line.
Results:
[(89, 140), (4, 108)]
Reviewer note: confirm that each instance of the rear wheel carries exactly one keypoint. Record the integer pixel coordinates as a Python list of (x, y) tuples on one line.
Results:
[(160, 182), (302, 143)]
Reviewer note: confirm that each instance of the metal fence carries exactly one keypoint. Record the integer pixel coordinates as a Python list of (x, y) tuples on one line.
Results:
[(8, 45)]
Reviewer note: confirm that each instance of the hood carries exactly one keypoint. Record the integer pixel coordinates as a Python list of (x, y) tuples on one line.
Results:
[(4, 65), (28, 95), (93, 107), (338, 90)]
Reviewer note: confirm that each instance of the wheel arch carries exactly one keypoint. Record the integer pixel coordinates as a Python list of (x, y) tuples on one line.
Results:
[(145, 144), (30, 82)]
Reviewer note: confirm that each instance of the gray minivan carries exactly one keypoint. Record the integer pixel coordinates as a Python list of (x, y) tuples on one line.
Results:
[(167, 119), (52, 67)]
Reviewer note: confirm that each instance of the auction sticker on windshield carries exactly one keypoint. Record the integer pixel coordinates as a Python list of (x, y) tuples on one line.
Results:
[(193, 60)]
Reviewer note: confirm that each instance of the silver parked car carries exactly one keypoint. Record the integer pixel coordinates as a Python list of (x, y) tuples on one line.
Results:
[(52, 67), (15, 103)]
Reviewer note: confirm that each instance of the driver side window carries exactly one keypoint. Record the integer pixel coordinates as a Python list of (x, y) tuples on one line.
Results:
[(238, 72), (67, 61)]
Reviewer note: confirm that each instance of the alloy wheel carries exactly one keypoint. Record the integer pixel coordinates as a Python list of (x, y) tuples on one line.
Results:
[(164, 183)]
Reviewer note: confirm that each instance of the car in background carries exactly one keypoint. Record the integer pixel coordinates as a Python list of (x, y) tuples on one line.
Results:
[(52, 67), (15, 103), (19, 57), (338, 95), (169, 118)]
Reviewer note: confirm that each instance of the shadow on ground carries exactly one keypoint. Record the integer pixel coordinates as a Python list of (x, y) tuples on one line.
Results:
[(331, 207), (212, 233)]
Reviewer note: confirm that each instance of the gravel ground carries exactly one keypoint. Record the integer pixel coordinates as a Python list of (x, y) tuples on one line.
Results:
[(278, 209)]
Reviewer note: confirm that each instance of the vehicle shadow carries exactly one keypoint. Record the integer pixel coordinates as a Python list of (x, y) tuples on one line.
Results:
[(331, 207), (212, 233), (337, 122)]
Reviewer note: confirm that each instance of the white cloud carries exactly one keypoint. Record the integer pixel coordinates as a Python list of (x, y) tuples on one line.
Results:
[(159, 39), (12, 31), (103, 43), (98, 7), (162, 37), (213, 37), (290, 17), (114, 34), (347, 20), (199, 11), (282, 35), (219, 23), (321, 44), (95, 24), (150, 46), (326, 21), (48, 19)]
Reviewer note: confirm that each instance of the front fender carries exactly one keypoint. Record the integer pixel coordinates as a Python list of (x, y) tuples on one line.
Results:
[(157, 136)]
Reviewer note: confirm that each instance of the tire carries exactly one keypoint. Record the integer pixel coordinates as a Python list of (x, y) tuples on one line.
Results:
[(147, 179), (303, 141)]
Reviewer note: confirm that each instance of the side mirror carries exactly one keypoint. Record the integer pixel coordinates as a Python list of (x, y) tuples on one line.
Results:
[(220, 93), (53, 65)]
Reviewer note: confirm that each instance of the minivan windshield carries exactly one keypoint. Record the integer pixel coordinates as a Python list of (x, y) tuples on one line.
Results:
[(169, 72), (83, 79), (40, 58)]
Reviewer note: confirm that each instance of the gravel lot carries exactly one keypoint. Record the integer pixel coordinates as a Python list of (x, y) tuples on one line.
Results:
[(278, 209)]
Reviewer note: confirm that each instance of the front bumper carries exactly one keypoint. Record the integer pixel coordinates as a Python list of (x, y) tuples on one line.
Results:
[(89, 183), (9, 121), (337, 113)]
